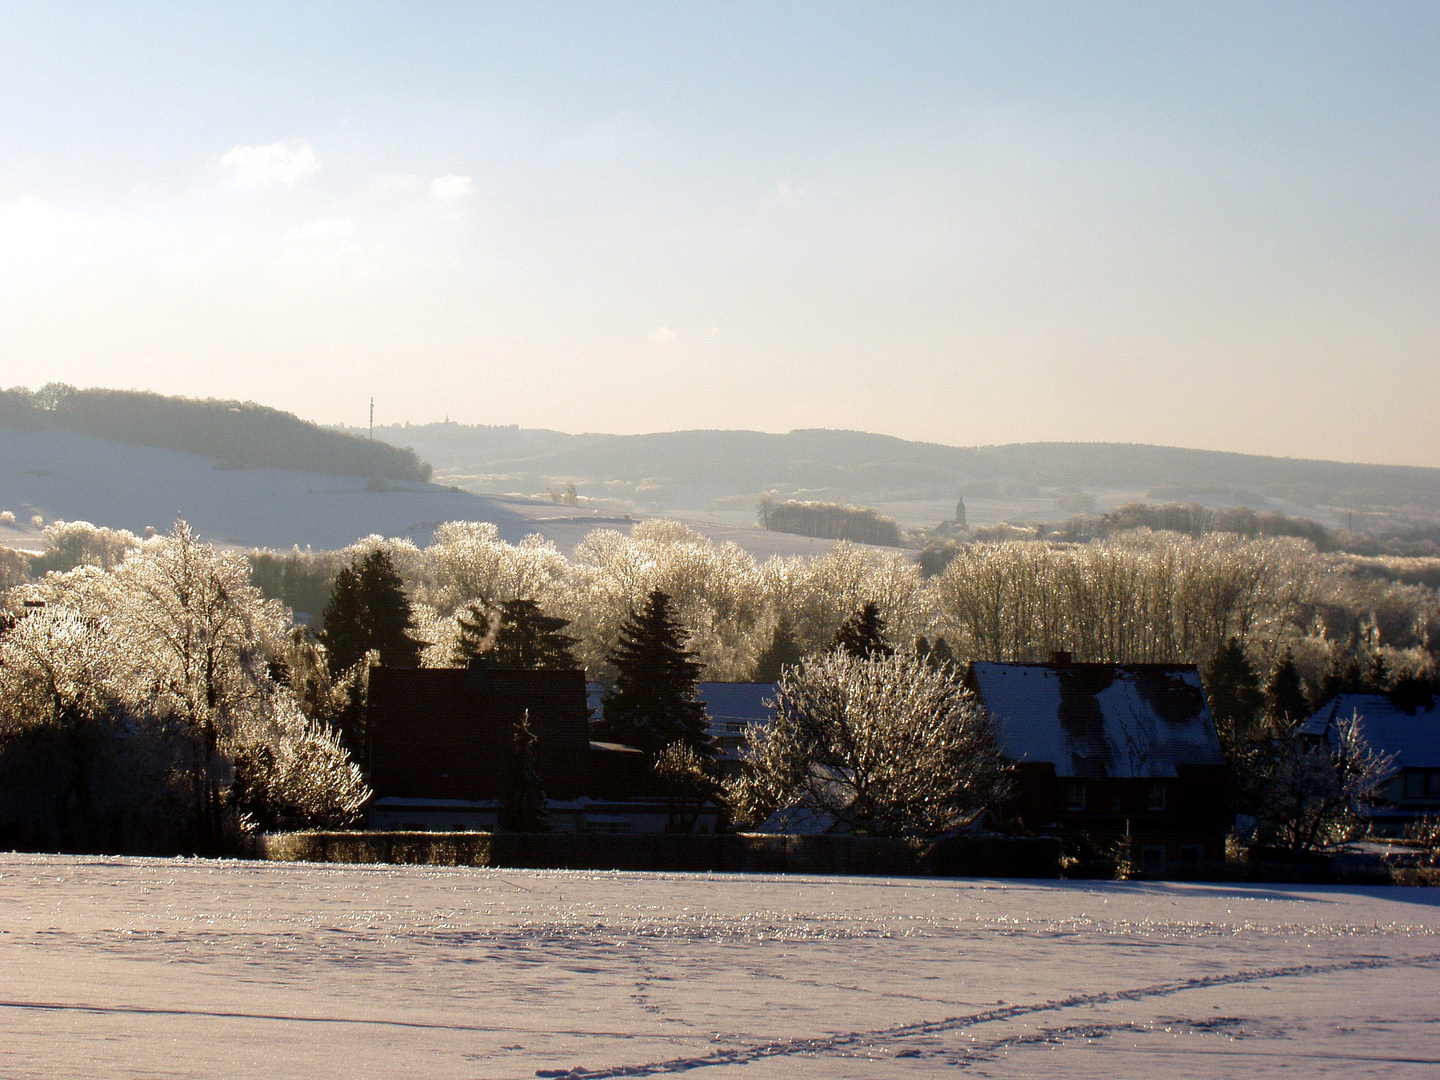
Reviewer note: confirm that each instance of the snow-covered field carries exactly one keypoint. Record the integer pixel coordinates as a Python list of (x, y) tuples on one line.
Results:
[(139, 967), (63, 475)]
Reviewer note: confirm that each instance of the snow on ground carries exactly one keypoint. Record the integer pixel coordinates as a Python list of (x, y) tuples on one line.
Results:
[(65, 475), (119, 967)]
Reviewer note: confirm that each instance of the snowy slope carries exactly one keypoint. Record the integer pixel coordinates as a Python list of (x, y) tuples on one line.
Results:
[(63, 475), (149, 967)]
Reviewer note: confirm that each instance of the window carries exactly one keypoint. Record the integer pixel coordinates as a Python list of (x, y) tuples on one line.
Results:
[(1075, 797), (1435, 783), (1152, 857), (1190, 854), (1155, 799)]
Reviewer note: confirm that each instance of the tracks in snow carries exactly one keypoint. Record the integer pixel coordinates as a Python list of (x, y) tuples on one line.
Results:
[(850, 1040)]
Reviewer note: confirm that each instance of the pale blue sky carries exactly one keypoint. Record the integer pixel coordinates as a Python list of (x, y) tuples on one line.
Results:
[(1204, 225)]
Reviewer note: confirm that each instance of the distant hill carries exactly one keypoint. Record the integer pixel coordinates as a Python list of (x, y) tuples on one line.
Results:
[(239, 433), (724, 472)]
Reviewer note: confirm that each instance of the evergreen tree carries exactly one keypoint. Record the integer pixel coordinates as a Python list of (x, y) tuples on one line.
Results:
[(1285, 693), (652, 702), (782, 652), (938, 655), (1377, 674), (476, 633), (1235, 697), (862, 635), (528, 638), (524, 810), (368, 609), (343, 631)]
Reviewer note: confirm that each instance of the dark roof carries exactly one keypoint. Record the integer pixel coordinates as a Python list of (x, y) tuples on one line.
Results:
[(1092, 720), (1410, 731)]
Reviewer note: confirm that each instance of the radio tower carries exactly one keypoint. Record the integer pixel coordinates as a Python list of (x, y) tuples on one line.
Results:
[(372, 418)]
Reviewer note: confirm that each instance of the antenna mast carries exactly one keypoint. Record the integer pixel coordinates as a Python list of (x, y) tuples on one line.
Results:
[(372, 418)]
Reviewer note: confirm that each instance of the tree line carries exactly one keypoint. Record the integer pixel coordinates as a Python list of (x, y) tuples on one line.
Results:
[(238, 433)]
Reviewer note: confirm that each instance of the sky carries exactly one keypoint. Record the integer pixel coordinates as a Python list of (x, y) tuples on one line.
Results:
[(1214, 226)]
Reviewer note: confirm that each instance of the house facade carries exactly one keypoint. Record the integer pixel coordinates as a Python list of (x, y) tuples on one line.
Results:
[(443, 755), (1114, 752)]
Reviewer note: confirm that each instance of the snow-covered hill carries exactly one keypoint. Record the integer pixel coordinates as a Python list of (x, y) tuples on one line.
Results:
[(64, 475)]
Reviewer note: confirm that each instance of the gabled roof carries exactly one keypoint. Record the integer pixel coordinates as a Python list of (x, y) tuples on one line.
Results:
[(1409, 731), (1100, 720)]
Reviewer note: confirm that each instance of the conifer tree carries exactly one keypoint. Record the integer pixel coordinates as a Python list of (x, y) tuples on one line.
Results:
[(476, 633), (1285, 693), (1234, 693), (368, 609), (652, 702), (528, 638), (524, 810), (862, 635), (782, 652)]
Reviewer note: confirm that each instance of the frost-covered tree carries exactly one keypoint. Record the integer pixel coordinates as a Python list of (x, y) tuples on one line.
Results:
[(652, 702), (205, 631), (301, 779), (181, 671), (1310, 794), (886, 746)]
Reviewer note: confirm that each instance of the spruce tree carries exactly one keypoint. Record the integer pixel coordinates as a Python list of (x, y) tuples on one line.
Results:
[(476, 633), (862, 635), (524, 810), (652, 702), (343, 631), (782, 652), (368, 609), (1285, 693), (528, 638), (1234, 693)]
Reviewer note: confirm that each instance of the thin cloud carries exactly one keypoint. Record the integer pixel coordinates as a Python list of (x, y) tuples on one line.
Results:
[(450, 188), (282, 163), (663, 335)]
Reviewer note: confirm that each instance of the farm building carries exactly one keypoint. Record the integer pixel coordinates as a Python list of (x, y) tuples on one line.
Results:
[(443, 754), (1111, 751)]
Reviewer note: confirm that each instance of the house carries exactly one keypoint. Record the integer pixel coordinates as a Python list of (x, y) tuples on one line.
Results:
[(1406, 724), (1111, 751), (443, 754), (730, 708)]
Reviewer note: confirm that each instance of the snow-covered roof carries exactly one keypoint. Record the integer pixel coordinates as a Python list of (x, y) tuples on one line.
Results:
[(738, 702), (1409, 731), (1093, 720)]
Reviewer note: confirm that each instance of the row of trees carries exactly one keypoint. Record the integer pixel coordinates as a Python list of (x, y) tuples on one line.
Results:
[(1134, 597), (160, 696), (829, 521), (161, 705)]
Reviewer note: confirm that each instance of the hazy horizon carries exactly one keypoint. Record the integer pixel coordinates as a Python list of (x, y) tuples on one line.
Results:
[(1212, 228)]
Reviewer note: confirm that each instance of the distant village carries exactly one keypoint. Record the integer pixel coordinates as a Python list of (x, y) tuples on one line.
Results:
[(1149, 704)]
